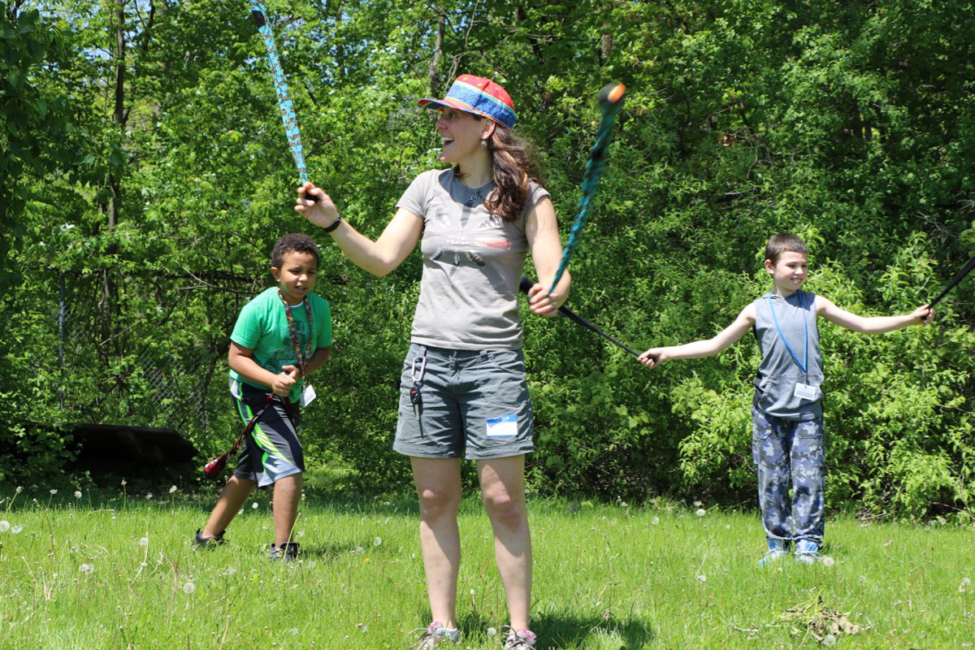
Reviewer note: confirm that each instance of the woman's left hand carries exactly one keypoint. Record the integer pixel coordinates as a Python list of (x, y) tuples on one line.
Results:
[(542, 302)]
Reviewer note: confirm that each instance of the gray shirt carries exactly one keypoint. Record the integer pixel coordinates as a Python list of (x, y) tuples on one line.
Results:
[(778, 373), (472, 262)]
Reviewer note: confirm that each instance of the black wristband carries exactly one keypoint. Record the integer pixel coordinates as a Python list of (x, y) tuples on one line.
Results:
[(334, 225)]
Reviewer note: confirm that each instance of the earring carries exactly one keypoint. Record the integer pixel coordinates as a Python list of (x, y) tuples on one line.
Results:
[(484, 144)]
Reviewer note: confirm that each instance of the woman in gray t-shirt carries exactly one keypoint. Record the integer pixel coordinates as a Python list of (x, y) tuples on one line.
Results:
[(463, 390)]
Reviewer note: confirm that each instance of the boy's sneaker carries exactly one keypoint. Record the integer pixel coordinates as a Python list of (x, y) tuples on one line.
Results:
[(777, 550), (288, 551), (433, 636), (807, 551), (519, 639), (208, 542)]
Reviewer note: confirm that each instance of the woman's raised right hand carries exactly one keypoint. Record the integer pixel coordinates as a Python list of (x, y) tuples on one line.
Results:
[(321, 211)]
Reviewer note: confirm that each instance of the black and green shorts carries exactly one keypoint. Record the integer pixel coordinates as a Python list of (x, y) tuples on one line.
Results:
[(272, 450)]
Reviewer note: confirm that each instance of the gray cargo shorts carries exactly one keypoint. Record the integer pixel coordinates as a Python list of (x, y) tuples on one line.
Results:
[(463, 403)]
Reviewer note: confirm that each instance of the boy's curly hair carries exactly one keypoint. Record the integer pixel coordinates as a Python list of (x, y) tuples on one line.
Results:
[(298, 242)]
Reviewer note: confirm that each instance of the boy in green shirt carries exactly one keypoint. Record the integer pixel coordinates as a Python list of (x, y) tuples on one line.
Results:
[(281, 336)]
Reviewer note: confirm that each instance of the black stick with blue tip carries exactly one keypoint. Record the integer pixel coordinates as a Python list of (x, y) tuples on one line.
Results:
[(954, 282), (527, 284), (610, 104)]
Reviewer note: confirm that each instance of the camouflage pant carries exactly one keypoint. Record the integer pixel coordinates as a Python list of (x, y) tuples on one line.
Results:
[(789, 454)]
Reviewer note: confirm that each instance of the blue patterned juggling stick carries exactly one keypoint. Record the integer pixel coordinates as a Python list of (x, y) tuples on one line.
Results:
[(610, 103), (284, 95)]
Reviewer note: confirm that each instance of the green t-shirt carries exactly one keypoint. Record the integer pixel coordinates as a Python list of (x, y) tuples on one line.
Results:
[(263, 327)]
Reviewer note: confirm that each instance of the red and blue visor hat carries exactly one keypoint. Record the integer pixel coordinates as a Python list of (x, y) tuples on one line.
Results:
[(479, 96)]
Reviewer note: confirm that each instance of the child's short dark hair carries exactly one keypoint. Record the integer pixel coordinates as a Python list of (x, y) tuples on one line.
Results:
[(298, 242), (784, 243)]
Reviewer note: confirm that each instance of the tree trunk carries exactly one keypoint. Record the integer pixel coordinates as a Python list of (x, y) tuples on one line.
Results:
[(435, 61)]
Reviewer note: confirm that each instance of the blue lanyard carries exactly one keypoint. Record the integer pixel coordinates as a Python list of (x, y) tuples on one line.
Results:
[(805, 321)]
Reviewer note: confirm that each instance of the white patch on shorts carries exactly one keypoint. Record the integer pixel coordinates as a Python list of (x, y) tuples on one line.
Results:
[(505, 426)]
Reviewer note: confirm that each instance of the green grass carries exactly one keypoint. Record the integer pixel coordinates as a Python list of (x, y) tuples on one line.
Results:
[(606, 577)]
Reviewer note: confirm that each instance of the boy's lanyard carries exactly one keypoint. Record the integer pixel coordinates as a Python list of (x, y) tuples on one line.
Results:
[(303, 359), (805, 321)]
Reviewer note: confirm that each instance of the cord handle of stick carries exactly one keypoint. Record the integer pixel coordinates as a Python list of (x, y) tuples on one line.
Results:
[(527, 284), (610, 103), (954, 282)]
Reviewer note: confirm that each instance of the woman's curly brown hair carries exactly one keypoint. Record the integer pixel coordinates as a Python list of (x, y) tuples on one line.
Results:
[(513, 168)]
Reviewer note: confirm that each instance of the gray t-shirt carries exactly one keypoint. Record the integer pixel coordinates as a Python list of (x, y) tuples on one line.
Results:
[(472, 263), (778, 373)]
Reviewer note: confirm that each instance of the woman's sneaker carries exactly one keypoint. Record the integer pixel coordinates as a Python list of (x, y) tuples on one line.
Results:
[(518, 639), (807, 551), (208, 542), (288, 551), (777, 550), (433, 636)]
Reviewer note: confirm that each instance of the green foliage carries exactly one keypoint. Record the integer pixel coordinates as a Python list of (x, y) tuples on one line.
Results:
[(157, 201)]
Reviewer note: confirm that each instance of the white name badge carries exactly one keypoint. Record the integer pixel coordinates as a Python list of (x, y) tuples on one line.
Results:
[(805, 391), (308, 395), (505, 426)]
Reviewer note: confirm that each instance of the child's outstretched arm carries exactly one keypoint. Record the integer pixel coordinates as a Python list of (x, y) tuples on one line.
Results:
[(704, 348), (871, 325)]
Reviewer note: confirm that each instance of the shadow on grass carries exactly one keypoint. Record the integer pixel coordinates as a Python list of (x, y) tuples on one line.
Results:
[(570, 631), (564, 630)]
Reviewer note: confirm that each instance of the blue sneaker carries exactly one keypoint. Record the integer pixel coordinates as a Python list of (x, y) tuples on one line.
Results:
[(777, 549), (807, 551)]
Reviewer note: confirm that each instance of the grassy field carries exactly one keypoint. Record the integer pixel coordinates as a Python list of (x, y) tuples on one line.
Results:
[(119, 571)]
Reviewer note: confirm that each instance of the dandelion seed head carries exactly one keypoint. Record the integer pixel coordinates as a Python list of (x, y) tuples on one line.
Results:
[(124, 482), (472, 592), (701, 512), (702, 578), (149, 497), (491, 632), (966, 582), (77, 494), (16, 529), (377, 542), (172, 489), (655, 521), (20, 488), (4, 526), (624, 504), (86, 568), (53, 492), (829, 640), (828, 561), (189, 588), (144, 541), (255, 506), (294, 631)]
